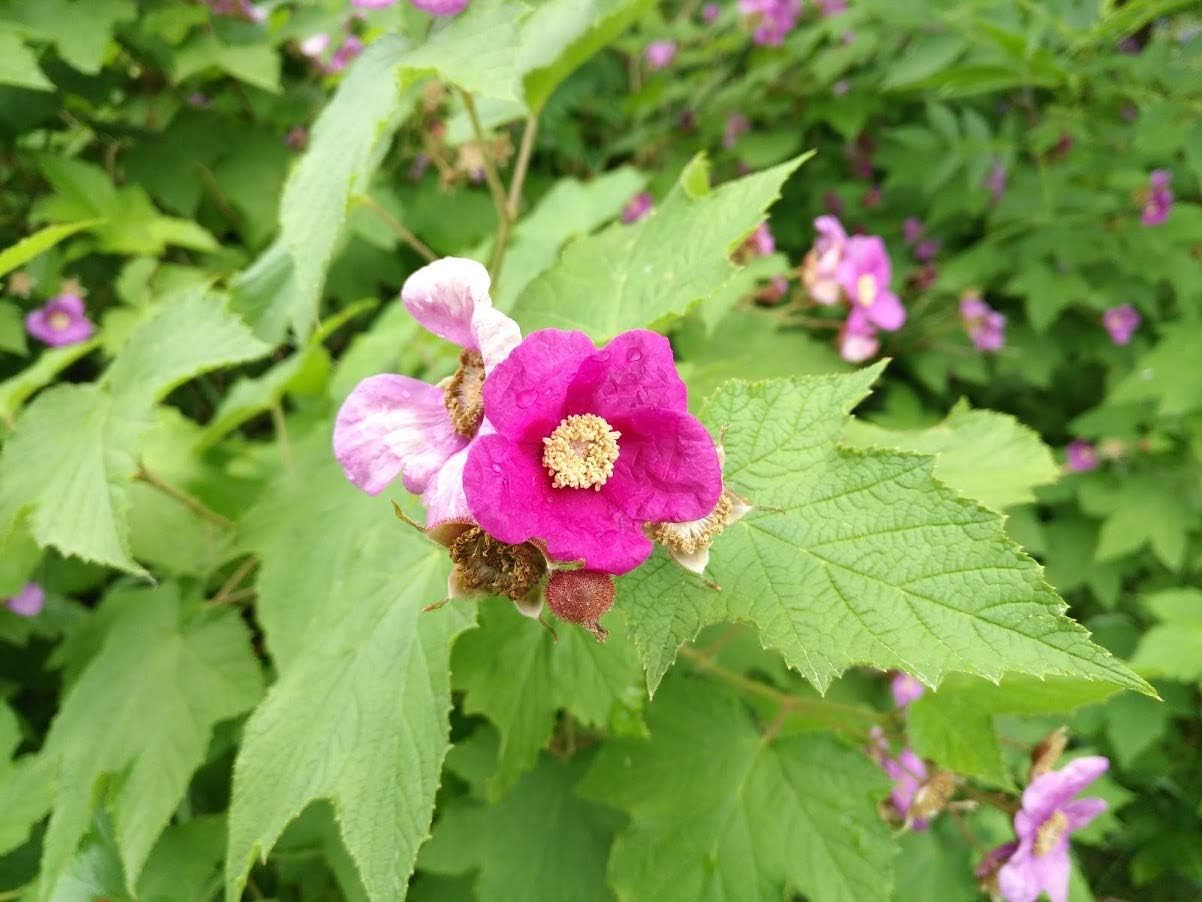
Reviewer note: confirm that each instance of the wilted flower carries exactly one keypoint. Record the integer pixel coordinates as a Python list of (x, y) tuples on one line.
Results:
[(441, 7), (710, 13), (905, 689), (773, 19), (581, 597), (737, 125), (821, 264), (984, 325), (913, 229), (1081, 456), (60, 321), (297, 138), (393, 425), (637, 207), (590, 445), (991, 863), (864, 274), (659, 54), (1159, 198), (995, 182), (1049, 815), (28, 602), (1121, 323)]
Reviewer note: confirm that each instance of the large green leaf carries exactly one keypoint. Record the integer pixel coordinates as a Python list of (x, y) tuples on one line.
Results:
[(371, 739), (40, 241), (1172, 649), (856, 557), (19, 65), (133, 735), (629, 276), (80, 29), (1168, 374), (52, 361), (737, 815)]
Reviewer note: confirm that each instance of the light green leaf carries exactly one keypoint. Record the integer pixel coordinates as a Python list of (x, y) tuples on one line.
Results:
[(80, 29), (39, 242), (477, 51), (26, 786), (1172, 649), (348, 620), (954, 726), (629, 276), (517, 675), (134, 735), (540, 843), (1142, 509), (856, 557), (19, 65), (255, 64), (982, 454), (40, 373), (739, 817), (12, 329), (1168, 374)]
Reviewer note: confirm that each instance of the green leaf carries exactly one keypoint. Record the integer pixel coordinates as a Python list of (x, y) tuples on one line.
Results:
[(39, 242), (1168, 374), (982, 454), (517, 675), (856, 557), (12, 329), (477, 51), (740, 817), (19, 65), (348, 620), (1142, 509), (955, 726), (80, 29), (52, 361), (629, 276), (1172, 649), (923, 57), (255, 64), (540, 843), (134, 735)]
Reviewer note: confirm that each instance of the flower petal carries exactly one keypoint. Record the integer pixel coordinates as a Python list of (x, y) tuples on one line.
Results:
[(635, 371), (1056, 789), (511, 497), (444, 295), (1082, 812), (68, 303), (524, 396), (394, 425), (887, 311), (667, 468), (1018, 879), (494, 335), (1052, 872), (443, 497)]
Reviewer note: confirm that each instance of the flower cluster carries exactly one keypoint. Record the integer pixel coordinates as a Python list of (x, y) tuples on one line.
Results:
[(546, 465), (772, 20), (433, 7), (855, 270), (984, 325)]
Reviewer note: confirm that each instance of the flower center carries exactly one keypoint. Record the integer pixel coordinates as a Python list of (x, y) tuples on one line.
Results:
[(1050, 832), (866, 289), (692, 536), (490, 566), (58, 320), (581, 452), (464, 398)]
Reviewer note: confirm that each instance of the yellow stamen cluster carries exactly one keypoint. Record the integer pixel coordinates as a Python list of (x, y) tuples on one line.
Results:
[(58, 320), (581, 452), (464, 398), (866, 290), (691, 537), (1050, 832)]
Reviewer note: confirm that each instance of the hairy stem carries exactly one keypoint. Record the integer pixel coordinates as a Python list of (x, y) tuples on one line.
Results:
[(183, 498), (399, 230)]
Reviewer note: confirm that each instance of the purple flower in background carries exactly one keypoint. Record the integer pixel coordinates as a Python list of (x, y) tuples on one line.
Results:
[(995, 182), (710, 13), (1081, 455), (240, 9), (60, 321), (872, 197), (984, 325), (913, 229), (905, 689), (831, 7), (832, 203), (1159, 198), (858, 341), (28, 602), (864, 274), (297, 138), (926, 250), (737, 125), (1121, 323), (659, 54), (344, 55), (760, 243), (821, 264), (1049, 815), (441, 7), (372, 4), (841, 87), (315, 45), (907, 771), (637, 207), (773, 19)]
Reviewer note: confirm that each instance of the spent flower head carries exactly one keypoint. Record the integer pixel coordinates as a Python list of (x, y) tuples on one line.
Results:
[(821, 264)]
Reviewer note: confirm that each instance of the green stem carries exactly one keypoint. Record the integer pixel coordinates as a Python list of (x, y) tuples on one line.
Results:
[(186, 500), (401, 232)]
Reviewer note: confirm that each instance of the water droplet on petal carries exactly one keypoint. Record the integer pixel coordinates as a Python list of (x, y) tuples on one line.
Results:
[(634, 354), (525, 398)]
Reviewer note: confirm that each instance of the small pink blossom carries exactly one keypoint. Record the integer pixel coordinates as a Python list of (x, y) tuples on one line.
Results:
[(864, 274), (393, 425), (905, 689), (995, 182), (315, 45), (907, 771), (637, 207), (1081, 455), (372, 4), (441, 7), (859, 343), (1048, 817), (350, 49), (28, 602), (590, 445), (1121, 323), (772, 19), (737, 125), (831, 7), (60, 321), (760, 243), (238, 9), (659, 54), (710, 13), (984, 325), (821, 264), (1159, 198), (913, 229)]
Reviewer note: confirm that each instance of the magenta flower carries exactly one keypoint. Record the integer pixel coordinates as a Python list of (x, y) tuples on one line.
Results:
[(1048, 816), (392, 425), (710, 13), (637, 207), (772, 19), (60, 321), (28, 602), (984, 325), (737, 125), (1121, 323), (907, 771), (905, 689), (239, 9), (821, 264), (995, 182), (1081, 456), (441, 7), (1159, 198), (590, 446), (864, 274), (926, 250), (372, 4), (659, 54)]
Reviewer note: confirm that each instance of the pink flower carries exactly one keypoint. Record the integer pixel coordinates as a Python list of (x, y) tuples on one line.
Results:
[(60, 321), (344, 55), (773, 19), (315, 45), (28, 602), (372, 4), (239, 9), (984, 325), (590, 446), (760, 243), (637, 207), (737, 126), (1159, 198), (995, 182), (907, 771), (441, 7), (392, 425), (1121, 323), (905, 689), (659, 54), (1081, 456), (821, 264), (858, 341), (864, 274), (1048, 817), (832, 7), (710, 13)]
